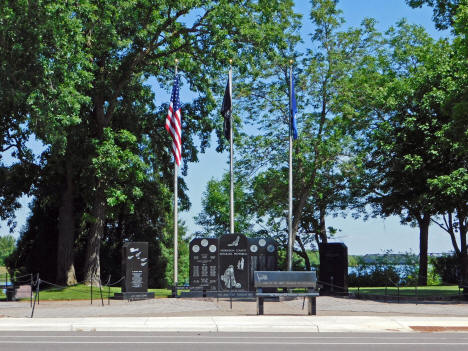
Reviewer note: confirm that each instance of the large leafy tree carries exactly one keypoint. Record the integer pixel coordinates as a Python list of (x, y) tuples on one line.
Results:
[(444, 10), (451, 185), (94, 111), (415, 143)]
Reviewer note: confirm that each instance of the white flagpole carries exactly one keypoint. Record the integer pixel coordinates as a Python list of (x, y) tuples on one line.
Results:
[(176, 197), (290, 207), (232, 156)]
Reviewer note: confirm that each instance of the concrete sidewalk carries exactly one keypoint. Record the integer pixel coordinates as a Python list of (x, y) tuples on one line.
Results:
[(309, 324)]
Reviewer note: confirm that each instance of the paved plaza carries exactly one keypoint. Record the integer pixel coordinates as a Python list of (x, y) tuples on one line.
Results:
[(166, 307)]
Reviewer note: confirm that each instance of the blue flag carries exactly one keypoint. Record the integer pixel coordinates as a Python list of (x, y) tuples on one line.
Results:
[(293, 110)]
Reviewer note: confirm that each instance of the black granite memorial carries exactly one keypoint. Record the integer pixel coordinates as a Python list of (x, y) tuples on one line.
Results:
[(233, 263), (204, 264), (333, 268), (263, 256), (224, 267), (135, 271)]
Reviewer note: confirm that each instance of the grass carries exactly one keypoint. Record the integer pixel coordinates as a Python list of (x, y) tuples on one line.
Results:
[(443, 290), (83, 292)]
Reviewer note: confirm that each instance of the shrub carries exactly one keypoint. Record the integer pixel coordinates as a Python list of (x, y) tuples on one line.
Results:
[(375, 275), (384, 270), (446, 267)]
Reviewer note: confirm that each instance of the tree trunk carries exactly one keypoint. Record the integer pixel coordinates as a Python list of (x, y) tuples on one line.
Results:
[(303, 253), (462, 226), (423, 241), (93, 268), (66, 232), (323, 227)]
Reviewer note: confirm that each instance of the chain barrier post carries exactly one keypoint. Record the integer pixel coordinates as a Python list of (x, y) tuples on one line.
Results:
[(108, 290), (38, 289), (36, 297), (31, 290), (398, 289), (91, 289), (100, 290)]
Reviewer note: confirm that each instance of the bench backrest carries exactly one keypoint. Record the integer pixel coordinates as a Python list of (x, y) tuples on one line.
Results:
[(290, 279)]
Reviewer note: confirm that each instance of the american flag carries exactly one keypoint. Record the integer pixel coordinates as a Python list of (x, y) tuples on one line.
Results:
[(173, 122)]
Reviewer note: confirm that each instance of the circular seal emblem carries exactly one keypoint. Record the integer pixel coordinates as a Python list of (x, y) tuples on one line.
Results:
[(262, 242), (212, 248), (271, 248), (204, 243), (195, 248), (253, 248)]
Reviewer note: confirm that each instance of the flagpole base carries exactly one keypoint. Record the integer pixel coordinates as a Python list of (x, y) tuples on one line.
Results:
[(174, 291)]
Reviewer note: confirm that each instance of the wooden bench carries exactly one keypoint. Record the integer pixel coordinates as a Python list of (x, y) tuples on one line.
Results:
[(286, 281)]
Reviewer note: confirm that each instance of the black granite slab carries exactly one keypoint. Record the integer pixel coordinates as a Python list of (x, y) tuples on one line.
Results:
[(204, 263)]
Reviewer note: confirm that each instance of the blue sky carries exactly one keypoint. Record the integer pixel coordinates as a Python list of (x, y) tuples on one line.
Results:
[(372, 236)]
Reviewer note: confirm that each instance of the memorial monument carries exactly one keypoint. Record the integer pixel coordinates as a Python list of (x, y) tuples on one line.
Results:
[(135, 272), (263, 256), (224, 266), (233, 263), (334, 268), (204, 264)]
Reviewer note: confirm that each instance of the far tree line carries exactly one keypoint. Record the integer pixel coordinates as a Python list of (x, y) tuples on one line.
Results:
[(382, 125)]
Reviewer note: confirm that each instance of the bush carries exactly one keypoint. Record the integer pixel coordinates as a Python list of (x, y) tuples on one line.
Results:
[(446, 267), (376, 275), (384, 270)]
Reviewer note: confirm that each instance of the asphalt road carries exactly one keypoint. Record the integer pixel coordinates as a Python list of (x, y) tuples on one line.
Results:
[(103, 341)]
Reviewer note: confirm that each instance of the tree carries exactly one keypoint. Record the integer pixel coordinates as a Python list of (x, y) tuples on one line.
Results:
[(94, 111), (444, 10), (214, 217), (7, 245), (450, 186), (43, 69), (411, 143), (323, 160)]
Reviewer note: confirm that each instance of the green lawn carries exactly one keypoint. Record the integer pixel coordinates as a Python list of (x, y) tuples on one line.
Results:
[(83, 292), (445, 290)]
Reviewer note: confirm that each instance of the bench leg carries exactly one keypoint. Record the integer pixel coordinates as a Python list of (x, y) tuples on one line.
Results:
[(259, 305), (312, 306)]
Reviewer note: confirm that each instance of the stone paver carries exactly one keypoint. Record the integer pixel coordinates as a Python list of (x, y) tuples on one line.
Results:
[(345, 306), (326, 306)]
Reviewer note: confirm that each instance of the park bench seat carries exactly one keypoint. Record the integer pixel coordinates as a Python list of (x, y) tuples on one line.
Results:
[(286, 281)]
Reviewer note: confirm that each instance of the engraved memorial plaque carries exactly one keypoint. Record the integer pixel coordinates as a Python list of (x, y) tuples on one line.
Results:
[(234, 263), (204, 263), (135, 266), (263, 256)]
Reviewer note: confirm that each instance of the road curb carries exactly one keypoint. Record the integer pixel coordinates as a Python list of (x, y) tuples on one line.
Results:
[(306, 324)]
